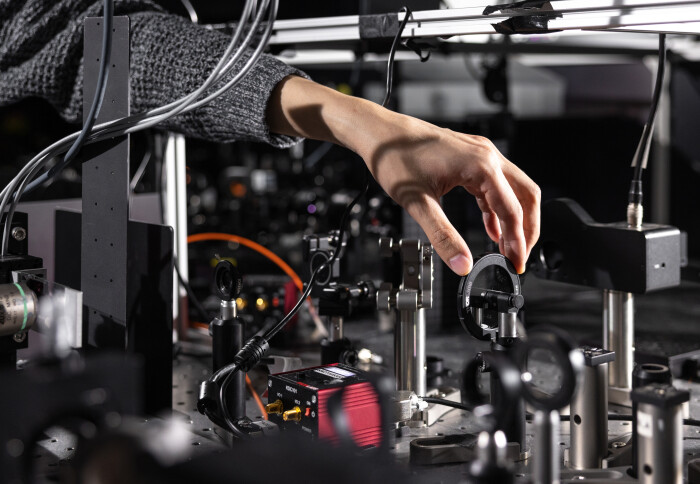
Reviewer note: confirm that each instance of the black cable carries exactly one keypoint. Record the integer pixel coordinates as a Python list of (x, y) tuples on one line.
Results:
[(329, 263), (392, 53), (446, 403), (255, 348), (642, 153), (237, 432), (100, 88), (691, 422), (191, 295)]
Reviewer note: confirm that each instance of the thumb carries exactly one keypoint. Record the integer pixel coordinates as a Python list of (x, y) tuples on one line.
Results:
[(446, 241)]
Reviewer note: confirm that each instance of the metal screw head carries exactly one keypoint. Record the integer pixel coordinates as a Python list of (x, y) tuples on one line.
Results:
[(19, 337), (617, 445), (19, 233)]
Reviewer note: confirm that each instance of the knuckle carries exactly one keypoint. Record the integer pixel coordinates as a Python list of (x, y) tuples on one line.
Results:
[(483, 142), (536, 192), (515, 215), (442, 238)]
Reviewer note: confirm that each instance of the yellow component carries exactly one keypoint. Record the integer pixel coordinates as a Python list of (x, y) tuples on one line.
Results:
[(275, 408), (294, 415), (241, 303), (215, 260), (261, 304)]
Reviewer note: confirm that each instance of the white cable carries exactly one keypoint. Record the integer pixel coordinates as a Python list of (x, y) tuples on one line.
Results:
[(138, 122)]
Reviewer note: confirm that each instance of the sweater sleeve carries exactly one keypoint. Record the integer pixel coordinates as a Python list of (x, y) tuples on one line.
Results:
[(41, 44)]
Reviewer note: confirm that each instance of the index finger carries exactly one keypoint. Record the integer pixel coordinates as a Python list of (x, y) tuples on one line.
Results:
[(500, 198)]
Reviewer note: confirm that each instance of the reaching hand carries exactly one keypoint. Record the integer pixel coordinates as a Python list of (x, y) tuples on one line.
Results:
[(417, 163)]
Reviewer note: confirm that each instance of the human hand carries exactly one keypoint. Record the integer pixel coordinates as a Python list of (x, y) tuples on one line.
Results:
[(416, 163)]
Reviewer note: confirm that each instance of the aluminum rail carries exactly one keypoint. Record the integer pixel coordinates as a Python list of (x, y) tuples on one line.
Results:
[(672, 16)]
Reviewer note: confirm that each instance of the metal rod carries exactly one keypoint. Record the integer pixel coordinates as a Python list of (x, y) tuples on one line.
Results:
[(546, 453), (175, 215), (409, 351), (618, 336), (633, 15), (660, 441), (589, 419)]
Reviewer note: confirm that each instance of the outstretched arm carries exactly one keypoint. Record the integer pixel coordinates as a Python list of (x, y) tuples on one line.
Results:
[(41, 47), (417, 163)]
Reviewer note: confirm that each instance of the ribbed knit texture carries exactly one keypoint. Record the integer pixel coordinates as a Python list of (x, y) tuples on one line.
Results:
[(41, 45)]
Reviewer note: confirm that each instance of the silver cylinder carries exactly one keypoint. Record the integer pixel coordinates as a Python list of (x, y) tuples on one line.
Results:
[(335, 329), (409, 351), (18, 308), (507, 325), (660, 444), (618, 336), (228, 310), (589, 419), (547, 461)]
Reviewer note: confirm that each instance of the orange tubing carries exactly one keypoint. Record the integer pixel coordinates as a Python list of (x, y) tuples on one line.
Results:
[(256, 397), (209, 236)]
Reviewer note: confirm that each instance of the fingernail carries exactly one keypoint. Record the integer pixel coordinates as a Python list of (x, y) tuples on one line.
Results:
[(514, 253), (460, 264)]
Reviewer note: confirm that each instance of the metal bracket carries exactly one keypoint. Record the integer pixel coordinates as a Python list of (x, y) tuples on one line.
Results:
[(106, 193)]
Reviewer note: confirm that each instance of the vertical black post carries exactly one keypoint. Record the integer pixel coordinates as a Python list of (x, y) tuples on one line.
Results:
[(106, 194), (125, 266), (227, 340), (514, 427)]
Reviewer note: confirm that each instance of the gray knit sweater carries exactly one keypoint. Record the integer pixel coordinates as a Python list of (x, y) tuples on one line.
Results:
[(41, 43)]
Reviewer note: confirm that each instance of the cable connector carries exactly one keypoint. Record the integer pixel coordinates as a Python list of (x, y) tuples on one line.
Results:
[(249, 356), (635, 214), (251, 353), (635, 194), (208, 395), (635, 210)]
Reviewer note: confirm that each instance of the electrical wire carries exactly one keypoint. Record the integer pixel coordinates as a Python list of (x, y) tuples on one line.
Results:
[(91, 118), (192, 297), (227, 371), (260, 249), (190, 11), (392, 54), (642, 154), (140, 170), (274, 258), (446, 403), (130, 124), (329, 263), (101, 87)]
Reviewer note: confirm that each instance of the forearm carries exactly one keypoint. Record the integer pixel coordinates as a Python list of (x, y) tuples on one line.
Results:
[(42, 44), (300, 107)]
